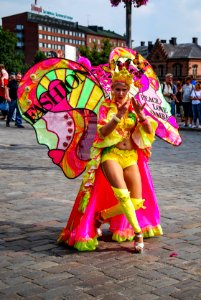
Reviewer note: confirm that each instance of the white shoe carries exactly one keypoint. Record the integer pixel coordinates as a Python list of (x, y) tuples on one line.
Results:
[(189, 125), (199, 126), (193, 126)]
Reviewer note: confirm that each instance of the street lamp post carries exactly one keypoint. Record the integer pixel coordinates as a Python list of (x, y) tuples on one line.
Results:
[(128, 24), (128, 5)]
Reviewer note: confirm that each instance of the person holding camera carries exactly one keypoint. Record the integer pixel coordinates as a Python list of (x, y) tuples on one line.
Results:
[(169, 90)]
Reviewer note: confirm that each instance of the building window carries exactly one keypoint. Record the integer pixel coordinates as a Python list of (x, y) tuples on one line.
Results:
[(194, 71), (19, 27), (177, 70), (19, 35), (161, 71), (20, 44), (40, 27)]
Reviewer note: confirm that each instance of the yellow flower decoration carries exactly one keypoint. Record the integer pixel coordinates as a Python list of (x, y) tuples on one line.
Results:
[(122, 76)]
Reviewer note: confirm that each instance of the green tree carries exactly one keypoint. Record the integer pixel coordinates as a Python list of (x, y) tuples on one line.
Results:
[(40, 55), (12, 59), (95, 56), (92, 54), (105, 51)]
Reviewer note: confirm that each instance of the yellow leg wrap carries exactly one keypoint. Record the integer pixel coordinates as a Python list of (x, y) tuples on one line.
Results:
[(112, 211), (123, 196), (117, 209), (138, 203)]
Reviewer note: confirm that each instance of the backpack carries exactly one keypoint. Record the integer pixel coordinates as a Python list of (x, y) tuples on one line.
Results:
[(174, 88)]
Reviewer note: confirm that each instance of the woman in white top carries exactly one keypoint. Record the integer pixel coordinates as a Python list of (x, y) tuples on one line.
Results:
[(196, 104)]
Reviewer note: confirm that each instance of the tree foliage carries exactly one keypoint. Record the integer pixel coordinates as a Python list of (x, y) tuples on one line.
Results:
[(95, 56), (40, 55), (12, 59)]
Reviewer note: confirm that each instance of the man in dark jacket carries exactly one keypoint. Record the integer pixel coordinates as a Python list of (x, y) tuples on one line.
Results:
[(12, 88)]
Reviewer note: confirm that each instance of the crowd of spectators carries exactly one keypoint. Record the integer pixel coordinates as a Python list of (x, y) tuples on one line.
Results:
[(8, 97), (184, 98)]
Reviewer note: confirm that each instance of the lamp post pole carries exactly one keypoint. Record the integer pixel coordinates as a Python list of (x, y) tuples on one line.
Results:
[(128, 23)]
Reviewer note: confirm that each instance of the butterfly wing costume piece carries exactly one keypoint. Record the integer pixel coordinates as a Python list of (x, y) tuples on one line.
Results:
[(64, 101), (60, 100)]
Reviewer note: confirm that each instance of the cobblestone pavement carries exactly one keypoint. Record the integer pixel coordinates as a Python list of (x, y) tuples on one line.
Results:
[(36, 200)]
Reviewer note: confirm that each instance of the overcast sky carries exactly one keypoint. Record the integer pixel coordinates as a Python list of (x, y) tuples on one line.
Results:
[(158, 19)]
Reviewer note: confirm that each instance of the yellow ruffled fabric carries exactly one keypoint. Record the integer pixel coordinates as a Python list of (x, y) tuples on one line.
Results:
[(143, 139), (128, 235)]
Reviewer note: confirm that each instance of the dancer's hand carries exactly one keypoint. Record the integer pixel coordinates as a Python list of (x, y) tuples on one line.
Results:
[(138, 107), (122, 108)]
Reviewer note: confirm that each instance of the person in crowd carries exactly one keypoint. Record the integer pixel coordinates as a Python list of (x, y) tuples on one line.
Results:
[(196, 105), (4, 97), (12, 88), (169, 91), (193, 81), (121, 123), (186, 101), (4, 75), (179, 106)]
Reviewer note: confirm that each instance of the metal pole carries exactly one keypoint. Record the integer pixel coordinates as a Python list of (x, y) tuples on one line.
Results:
[(128, 23)]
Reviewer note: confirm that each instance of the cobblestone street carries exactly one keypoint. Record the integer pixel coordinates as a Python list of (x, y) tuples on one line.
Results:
[(36, 200)]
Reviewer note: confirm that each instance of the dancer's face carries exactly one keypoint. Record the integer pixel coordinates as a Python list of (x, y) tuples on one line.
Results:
[(119, 91)]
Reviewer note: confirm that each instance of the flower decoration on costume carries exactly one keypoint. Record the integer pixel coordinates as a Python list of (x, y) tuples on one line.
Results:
[(136, 3), (122, 76)]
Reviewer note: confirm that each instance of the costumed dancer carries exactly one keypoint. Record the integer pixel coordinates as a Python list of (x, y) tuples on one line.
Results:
[(117, 186)]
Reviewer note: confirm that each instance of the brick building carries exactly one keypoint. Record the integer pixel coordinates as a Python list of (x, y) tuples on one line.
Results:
[(179, 59), (45, 33)]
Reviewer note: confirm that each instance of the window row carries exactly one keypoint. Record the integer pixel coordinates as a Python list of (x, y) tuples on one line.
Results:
[(176, 70), (60, 39), (113, 43), (61, 31), (74, 42), (52, 46)]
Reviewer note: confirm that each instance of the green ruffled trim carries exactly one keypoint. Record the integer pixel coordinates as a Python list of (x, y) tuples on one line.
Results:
[(150, 232), (84, 202), (122, 238), (127, 235), (89, 245)]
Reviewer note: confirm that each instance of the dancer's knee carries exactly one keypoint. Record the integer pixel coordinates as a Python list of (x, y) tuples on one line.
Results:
[(122, 195)]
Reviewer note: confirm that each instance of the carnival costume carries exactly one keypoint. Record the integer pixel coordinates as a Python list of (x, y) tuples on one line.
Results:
[(58, 93)]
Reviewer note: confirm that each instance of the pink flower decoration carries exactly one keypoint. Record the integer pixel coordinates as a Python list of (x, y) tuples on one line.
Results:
[(136, 3), (173, 254)]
